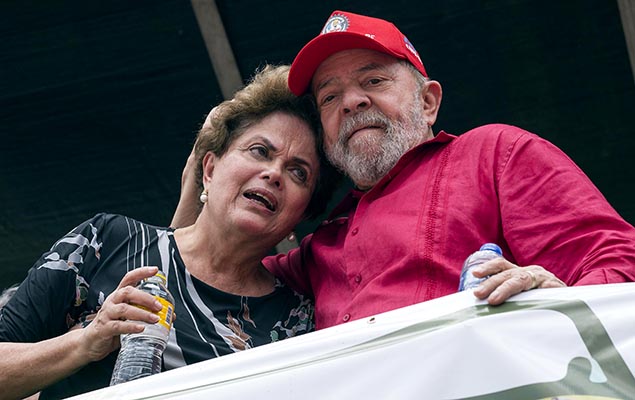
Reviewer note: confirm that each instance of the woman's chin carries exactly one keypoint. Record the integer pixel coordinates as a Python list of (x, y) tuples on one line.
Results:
[(258, 229)]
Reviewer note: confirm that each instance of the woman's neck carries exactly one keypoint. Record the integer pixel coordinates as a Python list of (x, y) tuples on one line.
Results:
[(224, 260)]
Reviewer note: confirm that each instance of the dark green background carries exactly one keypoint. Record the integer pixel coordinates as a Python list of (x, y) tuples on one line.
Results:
[(100, 100)]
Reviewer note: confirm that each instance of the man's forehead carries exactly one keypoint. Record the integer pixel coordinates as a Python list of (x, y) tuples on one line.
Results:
[(350, 62)]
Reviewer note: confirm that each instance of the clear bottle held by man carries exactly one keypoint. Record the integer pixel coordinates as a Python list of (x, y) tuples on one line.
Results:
[(140, 353), (488, 251)]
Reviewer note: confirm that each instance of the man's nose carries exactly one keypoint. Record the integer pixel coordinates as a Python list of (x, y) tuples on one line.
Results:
[(355, 100)]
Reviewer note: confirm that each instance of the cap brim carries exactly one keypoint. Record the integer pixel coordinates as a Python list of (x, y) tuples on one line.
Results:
[(322, 47)]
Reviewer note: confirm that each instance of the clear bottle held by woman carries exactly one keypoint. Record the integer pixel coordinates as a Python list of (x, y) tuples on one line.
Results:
[(488, 251), (140, 353)]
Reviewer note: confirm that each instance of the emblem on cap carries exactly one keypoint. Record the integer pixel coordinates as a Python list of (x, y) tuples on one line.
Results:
[(336, 23), (411, 48)]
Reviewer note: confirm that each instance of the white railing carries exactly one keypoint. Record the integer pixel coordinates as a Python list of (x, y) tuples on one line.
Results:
[(542, 344)]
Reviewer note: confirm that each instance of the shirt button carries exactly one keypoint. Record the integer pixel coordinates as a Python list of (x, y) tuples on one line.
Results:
[(358, 278), (354, 232), (346, 317)]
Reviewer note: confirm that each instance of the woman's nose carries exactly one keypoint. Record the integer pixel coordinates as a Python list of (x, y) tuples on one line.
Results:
[(273, 176)]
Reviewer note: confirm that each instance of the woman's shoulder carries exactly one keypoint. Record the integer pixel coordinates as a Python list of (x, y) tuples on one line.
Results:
[(290, 296), (117, 223), (103, 219)]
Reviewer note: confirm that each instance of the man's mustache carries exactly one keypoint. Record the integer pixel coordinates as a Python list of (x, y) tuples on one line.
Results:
[(361, 120)]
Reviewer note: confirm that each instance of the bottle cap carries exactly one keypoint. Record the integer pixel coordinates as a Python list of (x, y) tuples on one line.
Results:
[(492, 247), (161, 276)]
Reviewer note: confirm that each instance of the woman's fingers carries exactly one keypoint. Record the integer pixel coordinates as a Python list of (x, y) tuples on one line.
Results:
[(136, 275), (124, 311), (132, 311)]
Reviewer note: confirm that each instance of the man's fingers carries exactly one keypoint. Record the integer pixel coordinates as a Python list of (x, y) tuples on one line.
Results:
[(493, 267), (532, 277), (512, 280), (499, 287)]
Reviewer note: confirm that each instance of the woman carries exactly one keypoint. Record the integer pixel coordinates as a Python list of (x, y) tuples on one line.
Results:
[(260, 174)]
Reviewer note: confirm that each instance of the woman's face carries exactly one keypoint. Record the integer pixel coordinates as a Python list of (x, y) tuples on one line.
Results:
[(264, 181)]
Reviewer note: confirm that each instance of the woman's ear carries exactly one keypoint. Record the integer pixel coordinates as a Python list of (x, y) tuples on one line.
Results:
[(431, 95), (208, 167)]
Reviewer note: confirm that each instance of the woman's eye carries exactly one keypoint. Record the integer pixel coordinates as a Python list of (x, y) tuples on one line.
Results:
[(259, 151), (300, 174)]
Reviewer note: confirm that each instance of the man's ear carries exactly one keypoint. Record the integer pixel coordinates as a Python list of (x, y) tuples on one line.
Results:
[(431, 96), (208, 167)]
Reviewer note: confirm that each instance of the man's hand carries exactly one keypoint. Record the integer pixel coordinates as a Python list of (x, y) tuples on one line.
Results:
[(507, 279), (187, 209)]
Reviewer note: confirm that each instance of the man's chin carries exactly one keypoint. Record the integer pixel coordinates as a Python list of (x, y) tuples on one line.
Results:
[(365, 137), (366, 153)]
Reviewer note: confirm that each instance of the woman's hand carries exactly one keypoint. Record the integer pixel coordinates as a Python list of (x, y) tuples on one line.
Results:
[(507, 279), (118, 315), (29, 367)]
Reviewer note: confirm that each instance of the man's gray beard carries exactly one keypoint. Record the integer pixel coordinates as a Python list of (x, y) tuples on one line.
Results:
[(377, 154)]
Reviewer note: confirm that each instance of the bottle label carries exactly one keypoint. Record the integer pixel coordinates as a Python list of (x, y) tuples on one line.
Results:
[(165, 314)]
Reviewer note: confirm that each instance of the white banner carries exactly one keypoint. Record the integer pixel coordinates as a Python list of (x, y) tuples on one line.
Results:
[(569, 343)]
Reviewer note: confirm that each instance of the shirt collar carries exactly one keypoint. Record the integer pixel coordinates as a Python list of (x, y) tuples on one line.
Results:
[(441, 138), (352, 197)]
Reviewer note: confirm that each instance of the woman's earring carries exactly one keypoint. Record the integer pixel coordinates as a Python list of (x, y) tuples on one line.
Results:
[(291, 237), (203, 197)]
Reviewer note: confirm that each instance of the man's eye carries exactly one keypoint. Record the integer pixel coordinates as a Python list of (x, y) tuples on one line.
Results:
[(374, 81), (327, 99), (259, 151)]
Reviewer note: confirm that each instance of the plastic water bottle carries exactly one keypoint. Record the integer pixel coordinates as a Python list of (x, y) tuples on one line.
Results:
[(487, 252), (140, 353)]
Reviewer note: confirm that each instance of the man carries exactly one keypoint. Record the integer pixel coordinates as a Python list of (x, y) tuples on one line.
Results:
[(424, 202)]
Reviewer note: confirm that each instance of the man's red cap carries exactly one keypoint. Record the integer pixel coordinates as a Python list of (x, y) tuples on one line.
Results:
[(343, 31)]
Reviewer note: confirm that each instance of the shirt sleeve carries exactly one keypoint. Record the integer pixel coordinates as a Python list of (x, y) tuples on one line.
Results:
[(40, 308), (292, 268), (554, 216)]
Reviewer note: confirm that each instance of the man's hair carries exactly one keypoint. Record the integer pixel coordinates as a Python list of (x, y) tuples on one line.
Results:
[(267, 92), (419, 77)]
